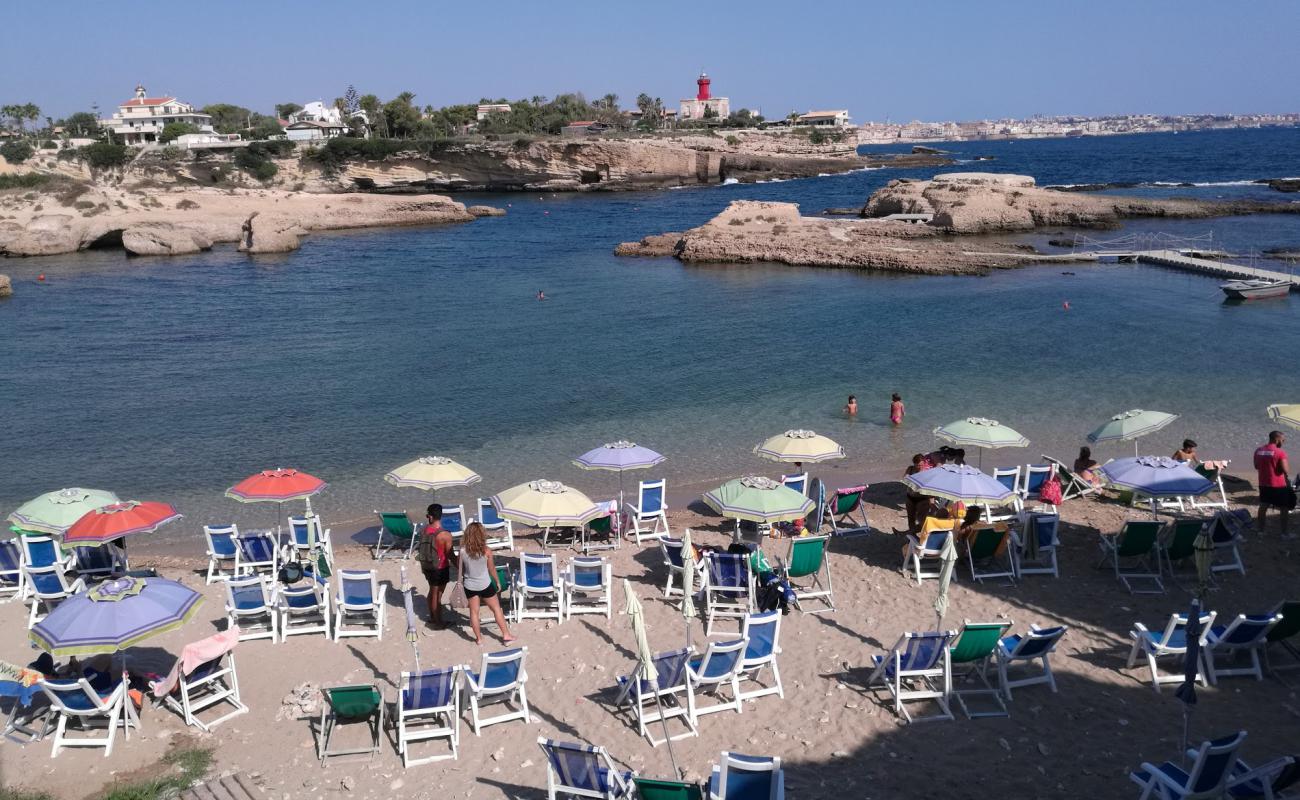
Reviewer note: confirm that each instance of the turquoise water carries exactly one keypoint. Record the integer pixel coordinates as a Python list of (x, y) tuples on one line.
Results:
[(172, 378)]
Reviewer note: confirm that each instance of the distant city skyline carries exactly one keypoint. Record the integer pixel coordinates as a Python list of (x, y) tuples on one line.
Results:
[(951, 61)]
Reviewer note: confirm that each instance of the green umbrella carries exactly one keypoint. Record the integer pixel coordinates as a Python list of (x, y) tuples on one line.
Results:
[(1130, 425), (982, 433), (758, 499), (54, 512), (948, 555)]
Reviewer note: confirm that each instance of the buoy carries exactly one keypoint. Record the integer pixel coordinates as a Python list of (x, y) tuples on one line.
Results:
[(41, 277), (546, 212), (1066, 305)]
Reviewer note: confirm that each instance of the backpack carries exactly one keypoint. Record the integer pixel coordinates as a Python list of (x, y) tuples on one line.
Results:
[(427, 551)]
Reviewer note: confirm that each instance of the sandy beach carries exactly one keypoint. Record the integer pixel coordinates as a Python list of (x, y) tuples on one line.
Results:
[(835, 738)]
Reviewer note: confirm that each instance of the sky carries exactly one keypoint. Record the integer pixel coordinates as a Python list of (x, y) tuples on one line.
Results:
[(896, 60)]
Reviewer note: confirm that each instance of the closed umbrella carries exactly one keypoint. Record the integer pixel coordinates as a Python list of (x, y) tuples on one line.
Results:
[(1131, 425), (982, 433), (117, 520), (645, 656), (55, 512), (799, 447), (546, 504), (432, 472), (621, 456), (1186, 690), (757, 499), (948, 557), (958, 483), (412, 626), (1286, 413), (688, 583), (1204, 555), (115, 615)]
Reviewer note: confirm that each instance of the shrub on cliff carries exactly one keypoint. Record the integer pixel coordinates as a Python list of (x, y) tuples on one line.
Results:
[(172, 130), (16, 152), (338, 151), (24, 180), (103, 155), (255, 162)]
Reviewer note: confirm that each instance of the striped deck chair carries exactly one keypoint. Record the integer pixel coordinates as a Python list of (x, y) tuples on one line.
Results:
[(917, 667), (728, 588), (13, 582), (1248, 634), (841, 506), (257, 554), (672, 695), (1171, 641), (428, 707), (1071, 484), (1207, 777), (579, 770)]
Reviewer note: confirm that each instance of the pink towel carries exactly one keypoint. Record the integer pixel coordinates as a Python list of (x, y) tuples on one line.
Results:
[(195, 654)]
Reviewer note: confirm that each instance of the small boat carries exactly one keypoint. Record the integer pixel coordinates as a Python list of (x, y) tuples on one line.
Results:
[(1255, 289)]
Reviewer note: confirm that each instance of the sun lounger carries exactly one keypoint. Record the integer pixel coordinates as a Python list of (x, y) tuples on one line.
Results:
[(1037, 645), (351, 705), (359, 602), (588, 587), (651, 508), (428, 707), (842, 505), (1170, 641), (45, 551), (728, 588), (762, 632), (501, 679), (205, 677), (671, 695), (304, 607), (250, 606), (1137, 542), (1072, 484), (257, 554), (1206, 777), (1034, 477), (579, 770), (920, 553), (716, 670), (808, 559), (222, 551), (971, 655), (48, 586), (539, 588), (307, 535), (1037, 545), (1247, 634), (396, 532), (500, 531), (13, 582), (80, 706), (917, 667), (739, 777)]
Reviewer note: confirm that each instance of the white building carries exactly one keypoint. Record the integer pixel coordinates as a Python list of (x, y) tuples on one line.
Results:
[(310, 130), (141, 119), (487, 109), (826, 119), (319, 121)]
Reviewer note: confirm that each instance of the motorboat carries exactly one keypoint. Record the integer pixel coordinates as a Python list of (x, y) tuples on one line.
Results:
[(1256, 289)]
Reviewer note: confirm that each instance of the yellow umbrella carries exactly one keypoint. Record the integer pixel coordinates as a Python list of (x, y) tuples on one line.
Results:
[(799, 447), (1288, 413), (547, 504), (432, 472), (645, 658)]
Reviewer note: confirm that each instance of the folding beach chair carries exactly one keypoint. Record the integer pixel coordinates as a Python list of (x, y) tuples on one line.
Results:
[(588, 587), (29, 707), (739, 777), (1170, 641), (221, 550), (351, 704), (916, 668), (500, 531), (808, 559), (501, 679), (539, 589), (1228, 532), (210, 683), (257, 554), (842, 505), (48, 586), (671, 549), (728, 588), (990, 554), (251, 606), (1268, 781), (1010, 478), (1037, 645), (360, 602), (1036, 546), (81, 707), (1214, 476), (1178, 542), (1071, 484), (308, 535), (99, 563), (1206, 778), (427, 708), (762, 632), (1247, 634), (304, 607), (1032, 485), (1136, 542), (1285, 634), (396, 532), (716, 670), (659, 789), (579, 770), (601, 533), (798, 482), (671, 695), (971, 655), (918, 554), (651, 506), (453, 522), (13, 582), (45, 551)]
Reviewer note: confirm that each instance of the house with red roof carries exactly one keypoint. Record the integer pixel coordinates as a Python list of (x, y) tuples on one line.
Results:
[(141, 119)]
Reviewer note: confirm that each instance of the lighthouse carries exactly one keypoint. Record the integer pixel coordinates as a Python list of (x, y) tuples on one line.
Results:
[(704, 105), (703, 83)]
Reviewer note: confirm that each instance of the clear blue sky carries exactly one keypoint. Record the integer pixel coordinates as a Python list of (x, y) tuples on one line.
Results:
[(900, 60)]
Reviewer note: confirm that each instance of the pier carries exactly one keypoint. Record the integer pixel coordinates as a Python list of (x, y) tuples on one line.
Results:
[(1177, 253)]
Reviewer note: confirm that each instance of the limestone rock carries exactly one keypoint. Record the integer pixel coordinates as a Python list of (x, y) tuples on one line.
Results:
[(270, 235), (1285, 184), (6, 288), (45, 235), (163, 239), (486, 211)]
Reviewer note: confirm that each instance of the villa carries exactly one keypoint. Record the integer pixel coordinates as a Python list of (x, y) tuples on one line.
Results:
[(141, 119), (825, 119), (316, 121)]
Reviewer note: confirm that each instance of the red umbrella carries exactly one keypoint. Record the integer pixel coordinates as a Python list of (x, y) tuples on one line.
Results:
[(276, 485), (114, 521)]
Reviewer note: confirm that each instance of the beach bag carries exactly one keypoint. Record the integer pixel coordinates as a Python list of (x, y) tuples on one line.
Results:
[(291, 573), (1050, 491), (457, 597)]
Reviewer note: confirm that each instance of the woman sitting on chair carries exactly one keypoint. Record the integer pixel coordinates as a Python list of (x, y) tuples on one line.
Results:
[(1085, 467)]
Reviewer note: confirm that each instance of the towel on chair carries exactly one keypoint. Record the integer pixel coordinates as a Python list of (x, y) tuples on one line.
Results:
[(194, 654)]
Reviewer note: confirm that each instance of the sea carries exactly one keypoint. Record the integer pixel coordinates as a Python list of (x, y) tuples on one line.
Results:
[(173, 378)]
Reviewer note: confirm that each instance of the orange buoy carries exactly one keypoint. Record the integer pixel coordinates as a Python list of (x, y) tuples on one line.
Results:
[(40, 277)]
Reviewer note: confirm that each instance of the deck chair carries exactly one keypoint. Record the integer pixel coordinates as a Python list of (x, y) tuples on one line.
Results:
[(360, 602), (659, 789), (762, 631), (500, 531), (1136, 542), (1037, 645), (251, 606), (99, 563), (304, 607), (917, 667), (48, 586), (728, 588), (207, 684), (1169, 641), (739, 777), (1214, 476), (918, 554), (1035, 475), (843, 504), (501, 679), (1247, 634), (1268, 781), (588, 587), (982, 553), (45, 551), (453, 522), (671, 550), (221, 550), (351, 704), (798, 482), (1227, 532), (79, 706), (539, 588), (579, 770), (13, 581), (1071, 484), (1206, 778), (971, 655), (1179, 541), (601, 528), (808, 559), (29, 707), (396, 532), (716, 670), (257, 554), (1036, 546), (1010, 478), (428, 707), (1284, 635), (306, 534), (671, 695), (651, 507)]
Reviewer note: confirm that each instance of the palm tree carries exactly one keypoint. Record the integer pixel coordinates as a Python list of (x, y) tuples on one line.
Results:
[(610, 101)]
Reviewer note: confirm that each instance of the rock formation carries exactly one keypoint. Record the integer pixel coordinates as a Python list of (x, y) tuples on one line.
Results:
[(163, 239), (270, 235), (6, 287), (486, 211)]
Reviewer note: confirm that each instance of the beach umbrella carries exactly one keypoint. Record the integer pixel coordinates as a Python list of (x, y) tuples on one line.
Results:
[(1186, 690), (432, 472), (278, 486), (546, 504), (645, 657), (115, 615), (1286, 413), (621, 456), (948, 559), (117, 520), (688, 583), (412, 627), (1156, 476), (959, 483), (1204, 556), (982, 433), (799, 447), (54, 512), (757, 499), (1131, 425)]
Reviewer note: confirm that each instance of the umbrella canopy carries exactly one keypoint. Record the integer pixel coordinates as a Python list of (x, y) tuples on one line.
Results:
[(1131, 424), (547, 504), (1287, 413), (799, 446), (115, 615), (980, 432), (618, 456), (1156, 476), (948, 557), (758, 499), (117, 520), (959, 483), (54, 512), (277, 485), (432, 472)]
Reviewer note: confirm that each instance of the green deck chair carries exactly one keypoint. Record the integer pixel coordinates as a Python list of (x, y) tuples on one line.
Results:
[(351, 704), (399, 531), (1285, 634), (807, 559), (982, 552), (1180, 543), (655, 789), (970, 656), (602, 527), (1136, 542)]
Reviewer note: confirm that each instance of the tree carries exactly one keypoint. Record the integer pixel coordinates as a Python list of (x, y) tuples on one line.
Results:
[(652, 111), (16, 152), (265, 128), (710, 112), (371, 104), (401, 116), (351, 102), (81, 124), (283, 110), (227, 118), (174, 129), (816, 136)]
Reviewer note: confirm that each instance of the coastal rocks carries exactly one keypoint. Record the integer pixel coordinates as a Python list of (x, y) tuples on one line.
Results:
[(269, 235), (662, 244), (1285, 184), (6, 287), (43, 235), (486, 211), (163, 239)]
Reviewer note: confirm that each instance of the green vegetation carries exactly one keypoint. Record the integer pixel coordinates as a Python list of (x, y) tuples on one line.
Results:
[(25, 180), (103, 155), (336, 152), (16, 152), (733, 140), (82, 124), (19, 114), (187, 766), (172, 130), (815, 136), (256, 160), (535, 115), (283, 110), (22, 794)]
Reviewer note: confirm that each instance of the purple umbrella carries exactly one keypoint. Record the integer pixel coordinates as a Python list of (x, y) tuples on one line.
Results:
[(1156, 476), (620, 457), (115, 615)]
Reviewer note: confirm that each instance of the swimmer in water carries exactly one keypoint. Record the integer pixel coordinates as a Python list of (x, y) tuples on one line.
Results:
[(851, 408), (541, 295)]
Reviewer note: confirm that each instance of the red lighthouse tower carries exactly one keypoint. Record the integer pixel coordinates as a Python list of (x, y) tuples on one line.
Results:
[(702, 82)]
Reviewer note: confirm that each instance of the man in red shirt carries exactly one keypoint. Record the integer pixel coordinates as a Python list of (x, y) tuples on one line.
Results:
[(1274, 487)]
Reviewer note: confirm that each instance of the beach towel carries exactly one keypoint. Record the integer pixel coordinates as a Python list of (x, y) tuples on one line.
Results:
[(194, 654)]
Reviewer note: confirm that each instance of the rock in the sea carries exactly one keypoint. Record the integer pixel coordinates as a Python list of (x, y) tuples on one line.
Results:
[(45, 235), (486, 211), (6, 288), (1285, 184), (269, 235), (163, 239)]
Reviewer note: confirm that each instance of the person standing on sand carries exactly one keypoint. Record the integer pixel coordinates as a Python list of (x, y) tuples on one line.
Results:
[(896, 410), (851, 408), (1274, 487), (476, 574), (437, 570)]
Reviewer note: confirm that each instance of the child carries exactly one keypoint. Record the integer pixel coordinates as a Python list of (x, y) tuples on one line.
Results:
[(852, 407), (896, 410)]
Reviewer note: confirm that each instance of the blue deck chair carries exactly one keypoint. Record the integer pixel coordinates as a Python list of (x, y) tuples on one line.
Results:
[(1247, 634), (453, 521), (100, 562), (307, 534), (257, 554), (359, 602), (1282, 635), (48, 586), (29, 705), (917, 667), (1265, 782), (728, 588), (1138, 543), (671, 550), (588, 587), (44, 551), (500, 531), (798, 482), (671, 695), (222, 551), (1037, 545), (579, 770), (1169, 641), (501, 679), (918, 554), (651, 507), (212, 683), (12, 580), (81, 706), (1206, 778), (250, 604), (539, 589), (762, 632), (1010, 478), (1037, 645), (1228, 531), (1034, 477), (739, 777), (428, 707), (304, 607), (717, 669), (396, 532), (971, 654), (842, 505)]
